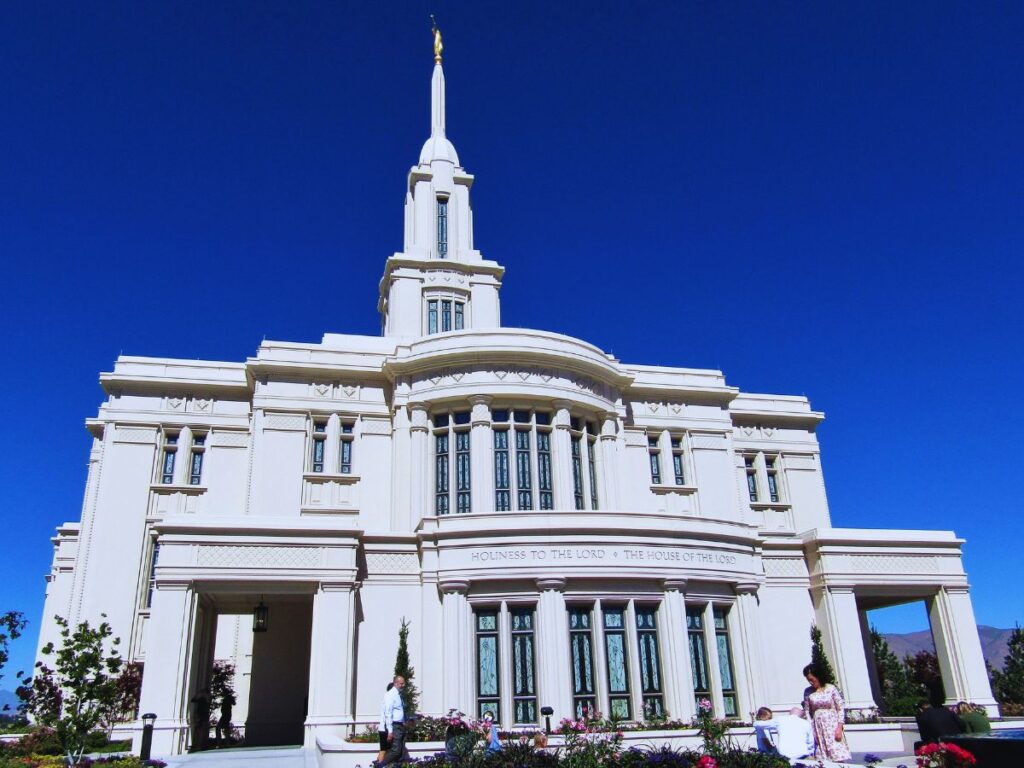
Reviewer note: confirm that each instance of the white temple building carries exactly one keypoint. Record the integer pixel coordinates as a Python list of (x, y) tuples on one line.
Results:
[(559, 527)]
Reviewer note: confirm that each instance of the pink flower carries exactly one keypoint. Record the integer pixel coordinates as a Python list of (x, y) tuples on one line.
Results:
[(707, 761), (705, 705)]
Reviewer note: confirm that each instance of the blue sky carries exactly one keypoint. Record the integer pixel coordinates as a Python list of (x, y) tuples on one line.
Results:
[(816, 198)]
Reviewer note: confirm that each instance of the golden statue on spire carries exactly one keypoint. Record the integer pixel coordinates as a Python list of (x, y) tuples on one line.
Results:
[(438, 46)]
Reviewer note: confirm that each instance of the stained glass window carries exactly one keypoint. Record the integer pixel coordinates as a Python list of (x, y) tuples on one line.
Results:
[(773, 480), (167, 461), (748, 463), (460, 319), (618, 673), (487, 688), (432, 316), (319, 444), (655, 453), (195, 473), (502, 492), (577, 471), (446, 315), (441, 474), (592, 466), (345, 463), (524, 484), (650, 663), (698, 653), (442, 228), (462, 473), (547, 499), (581, 648), (524, 689), (725, 671), (677, 460)]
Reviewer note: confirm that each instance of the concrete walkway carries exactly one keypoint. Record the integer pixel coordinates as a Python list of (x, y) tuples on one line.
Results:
[(258, 757)]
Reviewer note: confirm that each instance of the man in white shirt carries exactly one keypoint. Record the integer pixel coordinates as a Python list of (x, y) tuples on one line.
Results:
[(796, 736), (392, 717)]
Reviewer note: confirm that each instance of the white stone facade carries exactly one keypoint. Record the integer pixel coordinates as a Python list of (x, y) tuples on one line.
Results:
[(582, 530)]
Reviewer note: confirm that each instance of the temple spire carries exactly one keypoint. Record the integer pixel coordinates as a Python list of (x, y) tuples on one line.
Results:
[(437, 86)]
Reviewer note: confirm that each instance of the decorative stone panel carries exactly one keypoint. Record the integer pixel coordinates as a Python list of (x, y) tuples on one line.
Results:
[(244, 556), (295, 422), (221, 439), (392, 562), (135, 435)]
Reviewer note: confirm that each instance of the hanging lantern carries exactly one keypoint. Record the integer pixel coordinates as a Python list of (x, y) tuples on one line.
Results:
[(260, 617)]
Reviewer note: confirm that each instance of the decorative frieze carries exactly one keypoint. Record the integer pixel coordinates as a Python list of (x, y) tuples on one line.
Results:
[(124, 434), (392, 562), (222, 439), (292, 422), (246, 556)]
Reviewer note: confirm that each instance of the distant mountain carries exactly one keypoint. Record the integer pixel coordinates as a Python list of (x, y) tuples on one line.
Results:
[(994, 644)]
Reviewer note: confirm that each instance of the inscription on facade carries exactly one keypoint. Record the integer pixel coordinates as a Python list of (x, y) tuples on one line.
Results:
[(584, 555)]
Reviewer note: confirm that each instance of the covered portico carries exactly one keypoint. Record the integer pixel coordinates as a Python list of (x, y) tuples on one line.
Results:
[(304, 571), (853, 571)]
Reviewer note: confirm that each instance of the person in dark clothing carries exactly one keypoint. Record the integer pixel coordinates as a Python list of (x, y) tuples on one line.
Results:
[(935, 722)]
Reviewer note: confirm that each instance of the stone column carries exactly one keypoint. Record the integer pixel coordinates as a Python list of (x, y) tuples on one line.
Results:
[(561, 457), (714, 671), (183, 456), (958, 648), (553, 662), (419, 473), (481, 465), (745, 638), (869, 655), (402, 519), (331, 657), (457, 653), (676, 654), (608, 467), (836, 614), (332, 451), (170, 643)]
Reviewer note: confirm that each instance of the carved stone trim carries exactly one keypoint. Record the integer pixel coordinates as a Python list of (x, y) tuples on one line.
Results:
[(257, 556)]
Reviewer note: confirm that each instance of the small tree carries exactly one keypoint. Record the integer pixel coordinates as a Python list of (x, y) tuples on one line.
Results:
[(129, 691), (80, 692), (410, 696), (1008, 683), (924, 673), (11, 625), (819, 657), (899, 694), (222, 687)]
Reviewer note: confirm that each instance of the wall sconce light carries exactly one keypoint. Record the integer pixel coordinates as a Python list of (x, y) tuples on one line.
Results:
[(260, 617)]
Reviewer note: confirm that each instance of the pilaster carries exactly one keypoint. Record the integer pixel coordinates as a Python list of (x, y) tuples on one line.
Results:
[(331, 659), (835, 609), (676, 655), (958, 648), (481, 443), (457, 656), (562, 457)]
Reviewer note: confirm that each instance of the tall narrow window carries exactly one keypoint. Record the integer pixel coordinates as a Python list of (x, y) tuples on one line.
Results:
[(487, 691), (618, 673), (319, 444), (650, 663), (677, 460), (167, 460), (460, 319), (452, 475), (441, 470), (581, 646), (347, 436), (524, 498), (772, 473), (751, 470), (547, 499), (592, 461), (432, 316), (195, 464), (151, 582), (577, 471), (725, 671), (698, 653), (655, 454), (446, 315), (524, 688), (442, 228), (462, 472), (502, 492)]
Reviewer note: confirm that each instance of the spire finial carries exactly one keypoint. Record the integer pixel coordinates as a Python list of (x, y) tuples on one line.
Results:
[(438, 46)]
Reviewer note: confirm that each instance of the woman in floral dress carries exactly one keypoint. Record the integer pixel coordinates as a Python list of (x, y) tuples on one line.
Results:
[(823, 705)]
